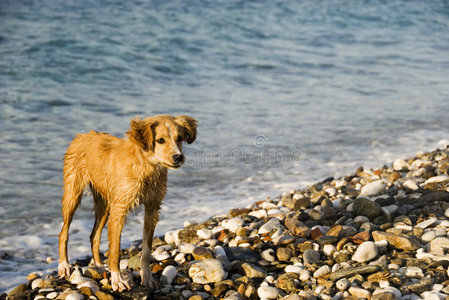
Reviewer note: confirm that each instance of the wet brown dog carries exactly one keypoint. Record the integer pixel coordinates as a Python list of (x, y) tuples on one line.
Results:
[(121, 174)]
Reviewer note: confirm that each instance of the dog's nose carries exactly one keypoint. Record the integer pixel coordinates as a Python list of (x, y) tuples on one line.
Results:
[(178, 158)]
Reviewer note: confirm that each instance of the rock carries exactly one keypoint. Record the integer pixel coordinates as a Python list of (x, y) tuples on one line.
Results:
[(315, 215), (366, 207), (233, 224), (89, 284), (97, 273), (322, 271), (139, 293), (365, 252), (439, 245), (292, 297), (284, 254), (253, 271), (74, 296), (202, 253), (342, 284), (383, 295), (204, 233), (348, 272), (269, 227), (41, 283), (426, 223), (437, 179), (268, 255), (260, 214), (296, 204), (103, 296), (411, 185), (267, 292), (207, 271), (428, 236), (359, 292), (52, 295), (400, 165), (297, 227), (401, 242), (329, 250), (293, 269), (373, 189), (413, 272), (242, 254), (161, 256), (311, 256), (169, 274)]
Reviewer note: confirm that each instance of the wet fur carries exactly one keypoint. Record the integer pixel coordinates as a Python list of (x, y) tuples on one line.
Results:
[(122, 173)]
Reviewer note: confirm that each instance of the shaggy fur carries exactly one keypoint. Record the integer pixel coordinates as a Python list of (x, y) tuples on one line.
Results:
[(122, 173)]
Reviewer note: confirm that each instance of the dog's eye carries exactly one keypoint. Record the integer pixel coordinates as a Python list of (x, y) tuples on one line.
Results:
[(160, 141), (179, 139)]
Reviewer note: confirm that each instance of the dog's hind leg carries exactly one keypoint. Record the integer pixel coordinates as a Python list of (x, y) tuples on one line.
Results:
[(101, 217)]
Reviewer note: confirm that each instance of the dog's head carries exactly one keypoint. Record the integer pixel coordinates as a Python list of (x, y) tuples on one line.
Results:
[(162, 136)]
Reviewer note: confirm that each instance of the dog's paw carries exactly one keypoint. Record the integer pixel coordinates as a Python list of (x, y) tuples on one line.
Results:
[(64, 269), (118, 283), (148, 280)]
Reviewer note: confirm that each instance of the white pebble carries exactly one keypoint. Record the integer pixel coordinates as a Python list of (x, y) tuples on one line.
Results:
[(373, 188), (74, 296), (343, 284), (329, 250), (413, 272), (293, 269), (400, 164), (272, 225), (169, 273), (365, 252), (268, 292), (171, 237), (268, 205), (52, 295), (322, 271), (361, 219), (204, 233), (207, 271), (260, 214), (304, 275), (411, 185), (233, 224), (426, 223), (161, 256), (268, 255), (428, 236), (94, 288), (437, 179), (446, 213)]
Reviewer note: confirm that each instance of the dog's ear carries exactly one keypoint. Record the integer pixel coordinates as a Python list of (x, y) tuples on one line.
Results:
[(141, 133), (189, 125)]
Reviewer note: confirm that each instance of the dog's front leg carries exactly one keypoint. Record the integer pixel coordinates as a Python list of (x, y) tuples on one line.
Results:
[(115, 226), (151, 218)]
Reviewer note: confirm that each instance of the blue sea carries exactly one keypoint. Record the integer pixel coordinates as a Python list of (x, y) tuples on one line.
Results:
[(285, 92)]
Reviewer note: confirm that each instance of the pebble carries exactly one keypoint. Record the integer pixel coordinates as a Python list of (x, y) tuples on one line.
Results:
[(365, 252), (74, 296), (267, 292), (233, 224), (322, 271), (205, 233), (207, 271), (373, 188), (268, 255), (413, 272), (311, 256), (342, 284), (169, 273), (359, 292), (41, 283)]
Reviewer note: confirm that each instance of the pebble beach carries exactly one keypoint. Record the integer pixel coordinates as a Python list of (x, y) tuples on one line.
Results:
[(375, 234)]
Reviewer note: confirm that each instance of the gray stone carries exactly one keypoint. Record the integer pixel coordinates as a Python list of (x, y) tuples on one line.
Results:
[(366, 207), (348, 272), (253, 271)]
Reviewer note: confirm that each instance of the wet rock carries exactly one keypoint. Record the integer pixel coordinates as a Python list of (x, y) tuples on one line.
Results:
[(202, 253), (242, 254)]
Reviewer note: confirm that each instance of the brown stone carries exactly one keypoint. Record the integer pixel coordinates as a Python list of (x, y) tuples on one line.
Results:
[(402, 242), (297, 227), (239, 211), (103, 296), (284, 254), (360, 237), (202, 253), (335, 231), (316, 233), (296, 204)]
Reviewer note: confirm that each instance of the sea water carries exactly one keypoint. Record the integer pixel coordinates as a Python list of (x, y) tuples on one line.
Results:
[(285, 92)]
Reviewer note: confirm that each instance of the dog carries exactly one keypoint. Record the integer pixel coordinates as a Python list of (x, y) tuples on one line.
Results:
[(122, 173)]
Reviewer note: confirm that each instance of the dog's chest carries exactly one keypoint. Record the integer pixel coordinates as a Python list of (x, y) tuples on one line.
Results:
[(153, 189)]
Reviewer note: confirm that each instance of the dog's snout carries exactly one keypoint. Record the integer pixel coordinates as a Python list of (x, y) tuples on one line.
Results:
[(178, 158)]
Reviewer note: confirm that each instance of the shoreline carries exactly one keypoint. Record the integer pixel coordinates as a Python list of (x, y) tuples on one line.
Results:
[(372, 234)]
